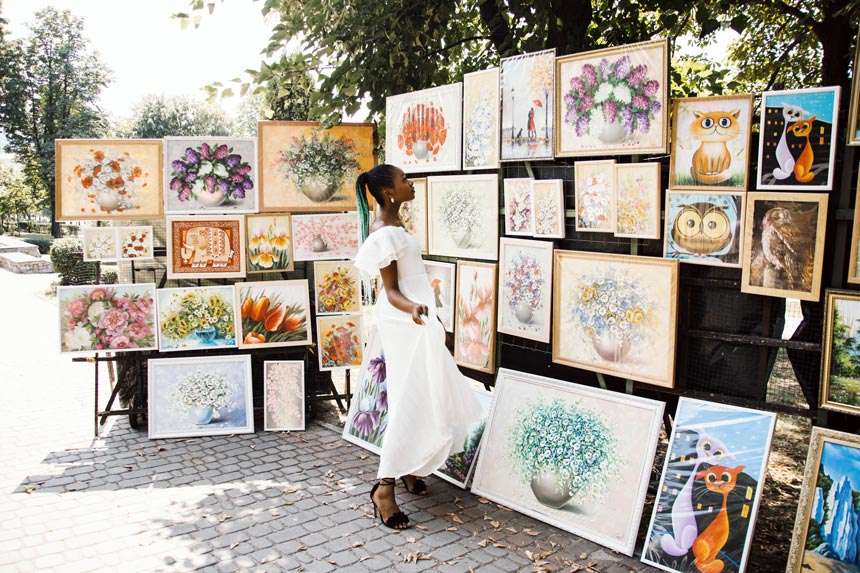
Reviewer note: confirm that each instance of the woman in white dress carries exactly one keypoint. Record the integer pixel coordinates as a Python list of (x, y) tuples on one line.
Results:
[(430, 405)]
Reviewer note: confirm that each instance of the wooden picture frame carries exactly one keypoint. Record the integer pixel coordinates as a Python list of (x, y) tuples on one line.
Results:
[(108, 179), (283, 395), (792, 225), (423, 129), (325, 236), (413, 213), (704, 227), (273, 313), (206, 247), (481, 119), (340, 341), (337, 287), (594, 183), (711, 143), (196, 318), (525, 288), (636, 200), (853, 135), (839, 389), (622, 127), (475, 316), (548, 208), (519, 216), (463, 216), (853, 266), (270, 243), (636, 340), (442, 278), (797, 142), (295, 160), (526, 133)]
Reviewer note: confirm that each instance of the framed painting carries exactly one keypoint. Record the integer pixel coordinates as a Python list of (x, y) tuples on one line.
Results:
[(636, 203), (135, 243), (270, 243), (325, 236), (200, 396), (442, 277), (304, 168), (840, 384), (527, 89), (423, 129), (99, 243), (594, 182), (853, 266), (797, 146), (339, 341), (368, 410), (209, 175), (481, 119), (853, 135), (783, 247), (463, 216), (475, 316), (710, 142), (459, 468), (531, 459), (704, 227), (525, 288), (107, 318), (273, 313), (709, 493), (413, 213), (613, 101), (206, 247), (283, 395), (196, 318), (616, 314), (519, 219), (548, 208), (108, 179), (822, 539), (336, 287)]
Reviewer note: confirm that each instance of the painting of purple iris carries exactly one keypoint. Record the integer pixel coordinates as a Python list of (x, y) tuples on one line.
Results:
[(368, 415)]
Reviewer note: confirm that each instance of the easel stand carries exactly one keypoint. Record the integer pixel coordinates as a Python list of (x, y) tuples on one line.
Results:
[(100, 416)]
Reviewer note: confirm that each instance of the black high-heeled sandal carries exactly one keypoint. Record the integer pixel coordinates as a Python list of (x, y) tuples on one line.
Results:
[(419, 486), (398, 520)]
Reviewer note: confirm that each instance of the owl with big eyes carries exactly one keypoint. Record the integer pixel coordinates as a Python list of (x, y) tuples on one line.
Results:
[(702, 228)]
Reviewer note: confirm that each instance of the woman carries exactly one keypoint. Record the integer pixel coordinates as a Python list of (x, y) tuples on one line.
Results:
[(430, 403)]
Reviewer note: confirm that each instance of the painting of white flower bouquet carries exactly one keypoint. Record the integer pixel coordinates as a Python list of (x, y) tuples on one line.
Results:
[(519, 215), (481, 119), (525, 280), (463, 216)]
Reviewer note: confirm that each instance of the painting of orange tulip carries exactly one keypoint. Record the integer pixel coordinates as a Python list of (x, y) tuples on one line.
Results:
[(274, 313)]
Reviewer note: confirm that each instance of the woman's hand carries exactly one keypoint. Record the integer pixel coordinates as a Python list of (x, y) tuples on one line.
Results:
[(419, 312)]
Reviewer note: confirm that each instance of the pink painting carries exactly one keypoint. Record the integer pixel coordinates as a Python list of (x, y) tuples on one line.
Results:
[(325, 237)]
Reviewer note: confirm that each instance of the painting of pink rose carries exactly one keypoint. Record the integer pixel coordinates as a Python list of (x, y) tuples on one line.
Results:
[(476, 316)]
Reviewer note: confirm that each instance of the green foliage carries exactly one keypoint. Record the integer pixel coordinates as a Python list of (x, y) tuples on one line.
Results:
[(248, 113), (109, 278), (845, 348), (157, 116), (44, 243), (67, 257), (289, 90), (17, 199)]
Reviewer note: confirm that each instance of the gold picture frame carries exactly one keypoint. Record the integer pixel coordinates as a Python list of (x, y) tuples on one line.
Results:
[(835, 391)]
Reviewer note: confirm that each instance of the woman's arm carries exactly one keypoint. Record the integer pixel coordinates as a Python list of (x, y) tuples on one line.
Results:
[(397, 298)]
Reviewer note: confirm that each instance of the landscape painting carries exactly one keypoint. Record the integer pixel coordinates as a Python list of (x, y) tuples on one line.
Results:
[(840, 352)]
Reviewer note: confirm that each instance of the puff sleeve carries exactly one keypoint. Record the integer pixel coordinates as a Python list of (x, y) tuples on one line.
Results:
[(380, 248)]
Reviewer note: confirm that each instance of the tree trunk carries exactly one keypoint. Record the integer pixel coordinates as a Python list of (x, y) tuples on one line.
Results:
[(575, 16), (835, 36), (500, 33)]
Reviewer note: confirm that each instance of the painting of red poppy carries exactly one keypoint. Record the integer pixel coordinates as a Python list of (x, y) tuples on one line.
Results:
[(339, 341), (474, 342), (273, 313)]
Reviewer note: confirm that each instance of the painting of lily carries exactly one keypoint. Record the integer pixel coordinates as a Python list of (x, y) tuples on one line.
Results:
[(368, 413), (270, 245), (339, 341), (476, 316), (274, 313)]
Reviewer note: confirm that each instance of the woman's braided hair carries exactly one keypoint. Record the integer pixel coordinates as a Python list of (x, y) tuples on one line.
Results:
[(374, 180)]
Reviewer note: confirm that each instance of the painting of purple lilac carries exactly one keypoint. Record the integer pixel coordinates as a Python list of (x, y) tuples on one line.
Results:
[(283, 395), (613, 101), (210, 175), (368, 410), (460, 467)]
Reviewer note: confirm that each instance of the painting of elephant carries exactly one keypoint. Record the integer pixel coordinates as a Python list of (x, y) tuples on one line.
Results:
[(204, 245), (210, 247)]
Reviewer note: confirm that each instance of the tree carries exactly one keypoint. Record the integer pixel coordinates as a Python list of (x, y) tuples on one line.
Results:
[(248, 113), (157, 116), (16, 199), (49, 93)]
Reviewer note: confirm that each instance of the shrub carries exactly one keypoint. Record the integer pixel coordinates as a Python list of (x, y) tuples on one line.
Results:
[(109, 278), (67, 257), (44, 243)]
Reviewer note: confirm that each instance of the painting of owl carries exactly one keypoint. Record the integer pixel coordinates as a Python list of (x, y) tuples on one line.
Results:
[(704, 228)]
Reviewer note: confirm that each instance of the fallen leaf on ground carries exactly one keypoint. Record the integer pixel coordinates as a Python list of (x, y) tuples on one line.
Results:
[(421, 527), (455, 518), (223, 518), (483, 500), (531, 533), (483, 543), (358, 544), (452, 529)]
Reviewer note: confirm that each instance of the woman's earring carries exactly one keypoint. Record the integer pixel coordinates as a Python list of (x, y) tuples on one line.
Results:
[(392, 199)]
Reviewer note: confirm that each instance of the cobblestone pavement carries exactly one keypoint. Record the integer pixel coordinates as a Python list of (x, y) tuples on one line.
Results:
[(255, 502)]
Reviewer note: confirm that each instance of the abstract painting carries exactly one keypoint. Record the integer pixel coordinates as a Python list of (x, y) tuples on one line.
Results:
[(709, 493), (205, 396), (107, 318), (339, 341), (840, 366), (336, 287), (525, 288), (797, 147), (459, 467), (575, 457), (283, 395), (704, 227), (196, 318), (423, 129), (613, 101), (475, 316), (273, 313), (304, 168), (527, 89), (636, 209), (413, 213), (823, 539), (108, 179), (616, 314), (368, 410), (441, 276), (209, 175), (463, 216), (206, 247), (270, 243), (783, 246), (481, 119), (710, 142), (594, 182), (548, 208), (518, 207), (325, 236)]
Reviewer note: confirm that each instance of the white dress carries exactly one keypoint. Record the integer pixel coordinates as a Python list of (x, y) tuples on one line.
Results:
[(430, 404)]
